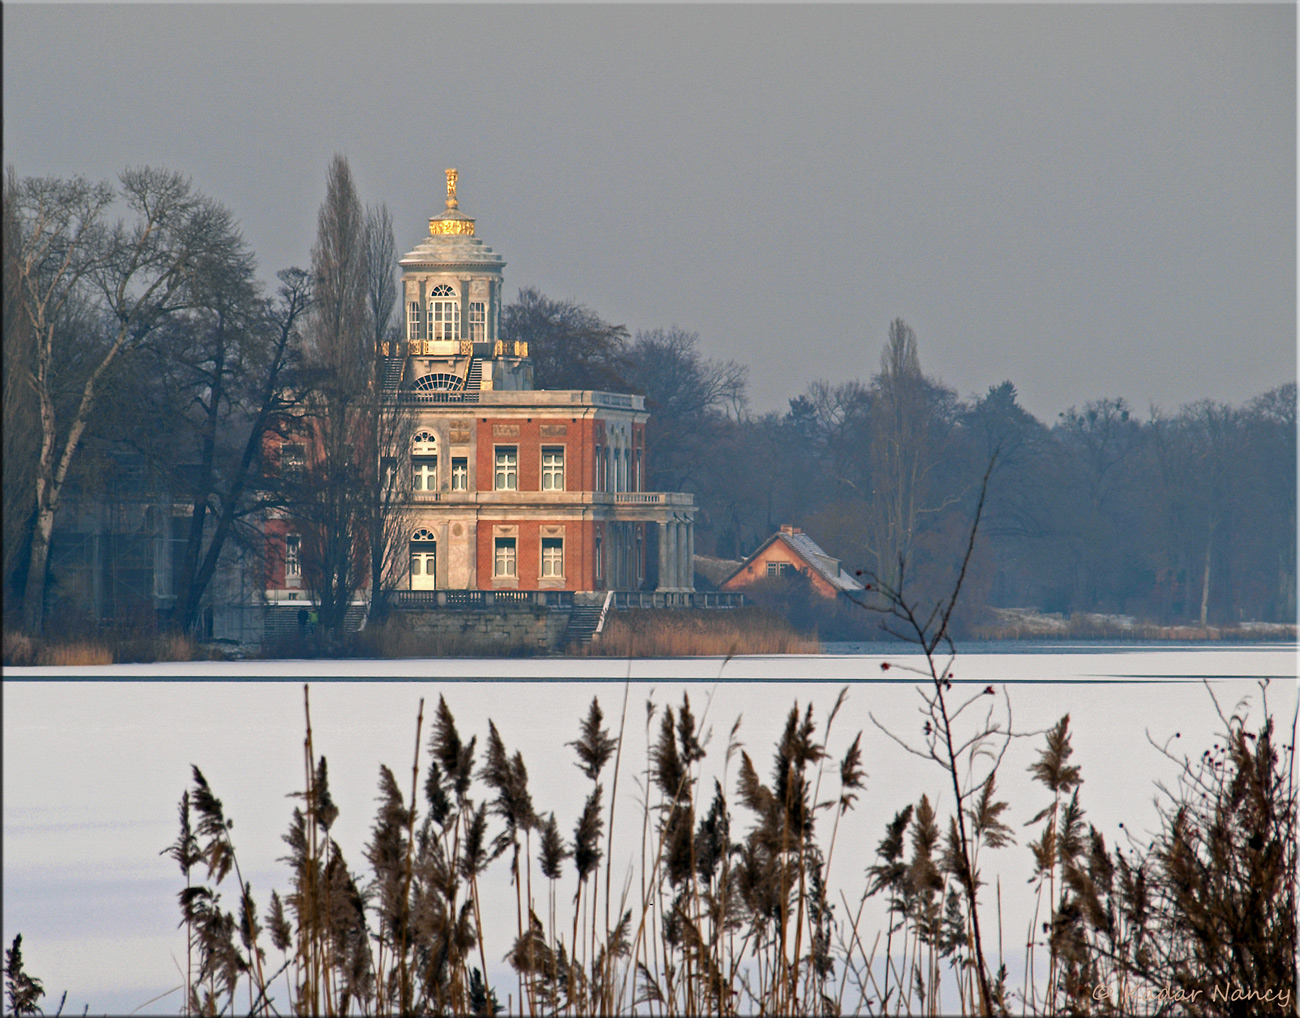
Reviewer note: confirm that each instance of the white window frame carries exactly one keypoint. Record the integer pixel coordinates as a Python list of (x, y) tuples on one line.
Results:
[(505, 476), (505, 558), (460, 473), (292, 557), (477, 321), (422, 555), (444, 314), (552, 558), (424, 461), (413, 321), (424, 473), (552, 468)]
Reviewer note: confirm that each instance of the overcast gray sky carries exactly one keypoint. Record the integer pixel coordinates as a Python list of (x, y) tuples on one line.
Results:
[(1088, 200)]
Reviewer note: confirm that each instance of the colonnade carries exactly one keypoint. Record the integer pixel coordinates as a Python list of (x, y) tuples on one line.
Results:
[(676, 555)]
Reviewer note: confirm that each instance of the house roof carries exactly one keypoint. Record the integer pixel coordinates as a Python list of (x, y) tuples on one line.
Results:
[(803, 546)]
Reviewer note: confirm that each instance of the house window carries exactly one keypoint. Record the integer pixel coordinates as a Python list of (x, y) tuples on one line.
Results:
[(599, 461), (460, 474), (388, 473), (507, 473), (293, 459), (779, 568), (292, 557), (424, 473), (600, 567), (553, 468), (424, 560), (444, 313), (504, 562), (638, 472), (477, 321), (424, 461), (552, 557), (413, 322)]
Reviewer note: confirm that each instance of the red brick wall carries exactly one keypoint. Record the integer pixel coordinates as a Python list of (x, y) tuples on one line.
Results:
[(579, 552), (578, 442)]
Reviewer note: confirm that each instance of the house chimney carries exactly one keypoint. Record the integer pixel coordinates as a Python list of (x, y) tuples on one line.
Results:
[(786, 528)]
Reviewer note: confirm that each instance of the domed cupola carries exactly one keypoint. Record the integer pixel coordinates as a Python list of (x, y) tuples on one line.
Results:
[(451, 287), (451, 245)]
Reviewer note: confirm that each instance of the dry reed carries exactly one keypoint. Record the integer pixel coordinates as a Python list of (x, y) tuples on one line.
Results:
[(700, 634)]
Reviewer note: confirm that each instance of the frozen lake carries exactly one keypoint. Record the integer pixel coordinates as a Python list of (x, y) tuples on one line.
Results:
[(95, 761)]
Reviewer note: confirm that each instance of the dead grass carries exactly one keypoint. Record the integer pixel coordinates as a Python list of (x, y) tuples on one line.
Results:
[(700, 634), (66, 651)]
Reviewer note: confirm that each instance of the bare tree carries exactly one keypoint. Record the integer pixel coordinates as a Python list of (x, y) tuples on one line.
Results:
[(339, 357), (390, 426), (571, 347), (687, 395), (231, 374), (970, 758), (134, 274), (908, 426), (22, 420)]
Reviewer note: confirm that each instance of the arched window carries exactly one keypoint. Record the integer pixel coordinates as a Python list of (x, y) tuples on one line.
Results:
[(424, 461), (444, 313), (424, 560), (438, 381)]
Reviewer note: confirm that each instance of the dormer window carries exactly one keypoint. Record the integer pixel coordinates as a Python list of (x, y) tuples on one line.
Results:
[(444, 313)]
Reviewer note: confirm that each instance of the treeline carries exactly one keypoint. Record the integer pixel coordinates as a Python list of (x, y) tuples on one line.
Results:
[(141, 351), (146, 363), (1183, 516)]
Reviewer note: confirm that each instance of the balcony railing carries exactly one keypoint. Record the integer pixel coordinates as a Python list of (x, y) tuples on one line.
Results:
[(479, 600), (652, 497), (625, 600)]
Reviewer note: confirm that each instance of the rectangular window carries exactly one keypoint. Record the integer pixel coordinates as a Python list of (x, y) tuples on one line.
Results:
[(553, 468), (477, 321), (445, 315), (552, 556), (507, 473), (424, 473), (504, 563), (413, 320), (779, 568), (599, 462), (292, 557), (293, 459), (460, 474)]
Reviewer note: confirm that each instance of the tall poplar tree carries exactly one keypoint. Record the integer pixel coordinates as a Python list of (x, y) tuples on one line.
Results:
[(339, 359)]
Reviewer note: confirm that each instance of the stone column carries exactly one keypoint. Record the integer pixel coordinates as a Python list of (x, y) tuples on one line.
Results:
[(663, 556), (683, 566), (690, 555)]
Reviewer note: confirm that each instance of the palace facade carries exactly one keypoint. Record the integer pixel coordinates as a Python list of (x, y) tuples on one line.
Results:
[(508, 487)]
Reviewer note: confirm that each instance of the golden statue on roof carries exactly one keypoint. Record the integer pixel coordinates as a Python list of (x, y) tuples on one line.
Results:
[(452, 222)]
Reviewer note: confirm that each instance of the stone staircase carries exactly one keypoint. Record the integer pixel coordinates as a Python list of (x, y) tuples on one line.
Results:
[(390, 373), (473, 380), (583, 621)]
